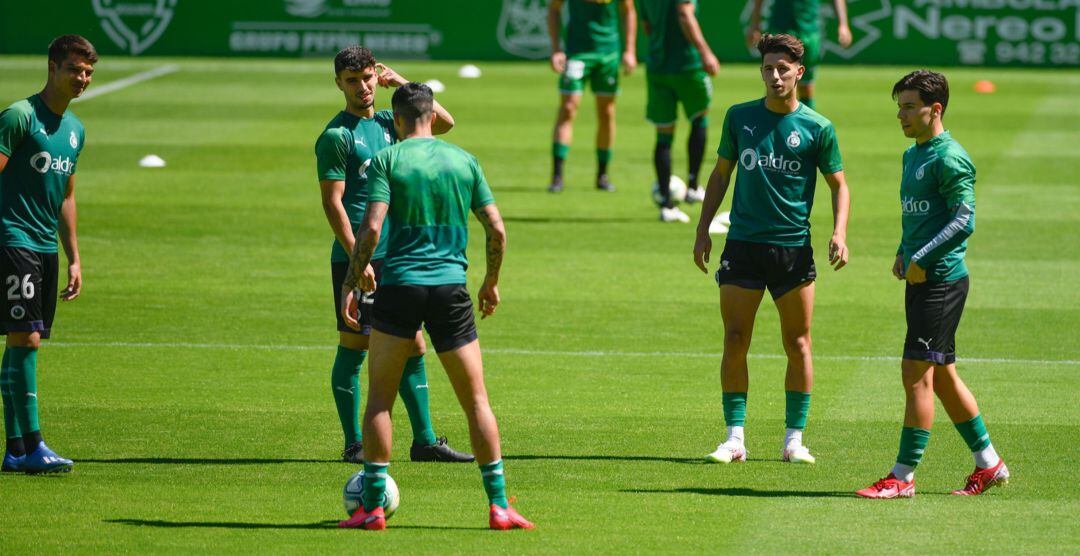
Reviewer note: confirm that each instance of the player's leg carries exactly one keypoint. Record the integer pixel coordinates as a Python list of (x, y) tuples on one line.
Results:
[(414, 394), (15, 450), (917, 373), (605, 85), (30, 316), (605, 139), (957, 399), (696, 94), (345, 372), (453, 332), (811, 58), (662, 111), (796, 309), (571, 86)]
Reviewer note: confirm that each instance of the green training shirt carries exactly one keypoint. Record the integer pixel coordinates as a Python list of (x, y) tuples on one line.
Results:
[(798, 16), (431, 186), (42, 149), (778, 157), (344, 151), (937, 200), (669, 50), (593, 27)]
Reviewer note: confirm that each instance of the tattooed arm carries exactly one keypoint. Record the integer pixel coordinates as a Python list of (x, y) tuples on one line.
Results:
[(488, 296), (360, 272)]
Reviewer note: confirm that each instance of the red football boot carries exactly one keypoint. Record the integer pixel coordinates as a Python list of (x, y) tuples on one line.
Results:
[(982, 479), (889, 487), (505, 519), (375, 520)]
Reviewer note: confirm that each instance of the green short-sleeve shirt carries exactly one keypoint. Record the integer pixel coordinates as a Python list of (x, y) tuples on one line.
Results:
[(593, 27), (42, 149), (778, 157), (344, 151), (431, 187), (669, 50)]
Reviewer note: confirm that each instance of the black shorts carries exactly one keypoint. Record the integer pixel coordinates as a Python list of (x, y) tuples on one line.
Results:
[(446, 312), (29, 296), (758, 266), (933, 313), (338, 271)]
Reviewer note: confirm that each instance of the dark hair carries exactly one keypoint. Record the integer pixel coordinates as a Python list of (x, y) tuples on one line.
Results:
[(65, 45), (353, 58), (931, 86), (412, 101), (781, 44)]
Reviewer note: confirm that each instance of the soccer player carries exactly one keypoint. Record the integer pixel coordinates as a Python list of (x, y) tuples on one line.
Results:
[(592, 55), (40, 142), (343, 152), (779, 145), (678, 69), (801, 19), (425, 188), (937, 203)]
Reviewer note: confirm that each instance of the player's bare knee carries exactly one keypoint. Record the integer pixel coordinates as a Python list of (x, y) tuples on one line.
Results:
[(797, 345), (737, 341)]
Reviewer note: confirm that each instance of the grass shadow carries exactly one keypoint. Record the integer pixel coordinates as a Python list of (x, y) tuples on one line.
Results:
[(575, 220), (748, 492), (528, 457), (204, 461), (327, 524)]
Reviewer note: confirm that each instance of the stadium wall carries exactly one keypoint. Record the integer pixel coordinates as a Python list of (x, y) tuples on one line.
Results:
[(920, 32)]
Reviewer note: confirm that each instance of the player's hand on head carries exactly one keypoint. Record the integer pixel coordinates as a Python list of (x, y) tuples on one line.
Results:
[(898, 267), (843, 36), (702, 249), (838, 253), (558, 61), (488, 299), (74, 285), (350, 307), (388, 77), (915, 274)]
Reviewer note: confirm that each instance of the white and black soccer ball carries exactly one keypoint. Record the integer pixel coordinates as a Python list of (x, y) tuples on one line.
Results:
[(676, 186), (352, 496)]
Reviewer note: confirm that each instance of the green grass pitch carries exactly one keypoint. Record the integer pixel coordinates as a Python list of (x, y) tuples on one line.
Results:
[(190, 383)]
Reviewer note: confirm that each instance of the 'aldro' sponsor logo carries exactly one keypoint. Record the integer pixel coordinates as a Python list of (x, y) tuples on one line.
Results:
[(42, 162), (750, 160), (911, 205)]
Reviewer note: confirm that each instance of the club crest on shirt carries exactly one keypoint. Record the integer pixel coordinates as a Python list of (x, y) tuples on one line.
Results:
[(73, 140), (386, 135), (794, 140), (922, 170)]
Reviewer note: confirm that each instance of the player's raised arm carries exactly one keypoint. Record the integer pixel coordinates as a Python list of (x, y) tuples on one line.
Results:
[(719, 181), (69, 239), (554, 26), (841, 205), (628, 15), (692, 31), (443, 123), (495, 233)]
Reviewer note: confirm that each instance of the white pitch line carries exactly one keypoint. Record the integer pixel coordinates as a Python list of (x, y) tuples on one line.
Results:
[(128, 81), (517, 351)]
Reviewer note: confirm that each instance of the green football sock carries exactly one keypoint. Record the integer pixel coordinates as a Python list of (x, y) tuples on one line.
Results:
[(345, 384), (374, 484), (663, 138), (559, 150), (23, 370), (974, 433), (913, 441), (11, 424), (414, 393), (603, 156), (495, 483), (797, 408), (734, 409)]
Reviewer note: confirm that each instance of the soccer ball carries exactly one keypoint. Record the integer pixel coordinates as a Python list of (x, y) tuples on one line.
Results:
[(352, 496), (677, 189)]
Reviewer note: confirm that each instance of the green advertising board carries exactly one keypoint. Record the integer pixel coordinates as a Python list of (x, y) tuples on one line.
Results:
[(923, 32)]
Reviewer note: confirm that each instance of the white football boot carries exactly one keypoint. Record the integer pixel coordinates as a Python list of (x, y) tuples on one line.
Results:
[(727, 452)]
